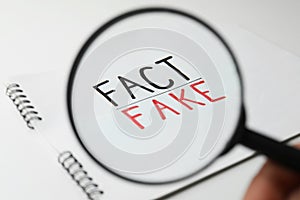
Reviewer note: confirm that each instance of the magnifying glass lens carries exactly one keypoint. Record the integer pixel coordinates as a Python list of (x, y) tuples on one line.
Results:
[(155, 95)]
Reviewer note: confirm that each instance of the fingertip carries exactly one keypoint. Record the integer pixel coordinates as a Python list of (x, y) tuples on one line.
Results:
[(273, 182)]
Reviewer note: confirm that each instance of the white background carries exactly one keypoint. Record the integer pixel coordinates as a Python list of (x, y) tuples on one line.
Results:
[(37, 36)]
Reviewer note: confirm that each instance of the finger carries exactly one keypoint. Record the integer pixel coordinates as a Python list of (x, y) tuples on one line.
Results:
[(273, 182), (295, 195)]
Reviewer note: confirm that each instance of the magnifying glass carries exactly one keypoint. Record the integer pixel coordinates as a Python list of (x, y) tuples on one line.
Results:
[(155, 95)]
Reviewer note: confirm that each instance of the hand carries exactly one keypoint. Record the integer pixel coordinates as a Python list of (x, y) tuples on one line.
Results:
[(274, 182)]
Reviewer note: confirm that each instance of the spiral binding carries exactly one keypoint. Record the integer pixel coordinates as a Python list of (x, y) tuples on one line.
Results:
[(16, 94), (79, 175)]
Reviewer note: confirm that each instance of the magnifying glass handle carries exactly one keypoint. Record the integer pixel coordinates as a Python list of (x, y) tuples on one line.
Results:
[(279, 152)]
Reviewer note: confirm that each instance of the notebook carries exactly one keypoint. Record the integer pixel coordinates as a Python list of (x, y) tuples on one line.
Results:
[(43, 94)]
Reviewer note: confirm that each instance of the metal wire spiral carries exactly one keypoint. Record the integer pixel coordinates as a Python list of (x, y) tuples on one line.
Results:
[(16, 94), (79, 175)]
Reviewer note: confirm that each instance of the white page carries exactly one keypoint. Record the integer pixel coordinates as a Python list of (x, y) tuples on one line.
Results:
[(48, 92)]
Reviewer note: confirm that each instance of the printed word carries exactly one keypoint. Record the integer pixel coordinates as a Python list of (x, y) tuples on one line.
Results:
[(162, 107), (130, 84), (131, 111)]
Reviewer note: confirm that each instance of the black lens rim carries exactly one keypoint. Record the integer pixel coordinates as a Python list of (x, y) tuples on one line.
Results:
[(240, 125)]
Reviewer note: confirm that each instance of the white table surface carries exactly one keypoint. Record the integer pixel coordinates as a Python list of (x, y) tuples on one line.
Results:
[(263, 34)]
